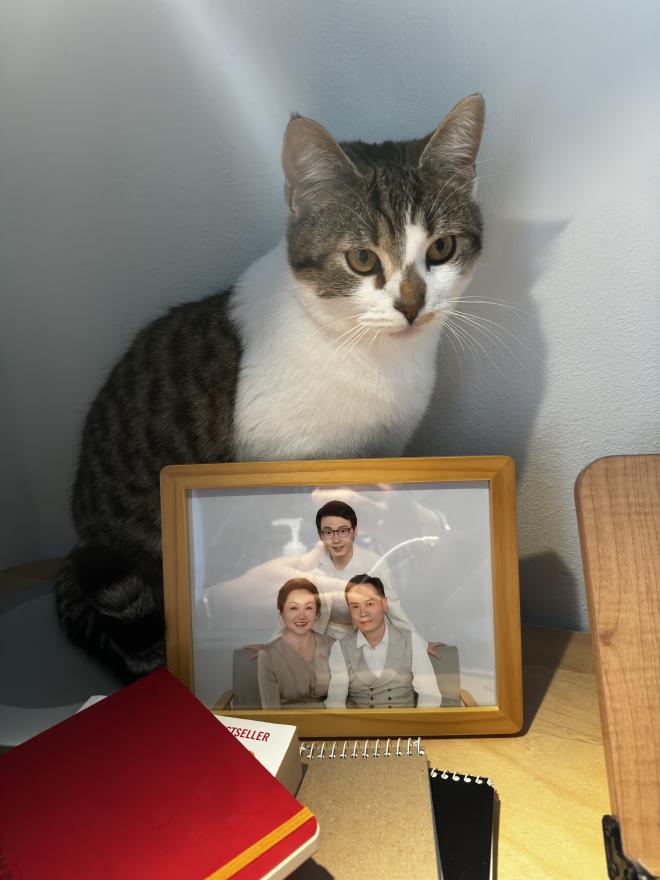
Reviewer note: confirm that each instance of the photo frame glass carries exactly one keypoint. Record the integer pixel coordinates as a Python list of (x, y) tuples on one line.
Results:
[(346, 596), (429, 544)]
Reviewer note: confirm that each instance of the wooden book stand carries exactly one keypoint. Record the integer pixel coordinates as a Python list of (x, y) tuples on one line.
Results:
[(618, 511)]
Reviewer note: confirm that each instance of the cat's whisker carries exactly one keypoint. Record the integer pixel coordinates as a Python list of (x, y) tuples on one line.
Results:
[(357, 340), (488, 323), (457, 335), (358, 195), (344, 342), (463, 340), (366, 217), (468, 335), (450, 336), (480, 177), (432, 210), (356, 322), (468, 184), (320, 185), (344, 318), (353, 336), (360, 217), (493, 326), (448, 328), (485, 301), (361, 202), (467, 343), (353, 329), (481, 348), (492, 335), (365, 220), (370, 341), (373, 373)]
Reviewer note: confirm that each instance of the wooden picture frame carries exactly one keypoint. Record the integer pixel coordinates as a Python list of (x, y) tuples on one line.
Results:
[(443, 534)]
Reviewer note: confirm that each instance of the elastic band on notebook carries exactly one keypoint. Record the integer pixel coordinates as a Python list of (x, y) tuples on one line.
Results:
[(262, 846)]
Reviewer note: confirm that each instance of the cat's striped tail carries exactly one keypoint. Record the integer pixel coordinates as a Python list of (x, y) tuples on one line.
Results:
[(112, 610)]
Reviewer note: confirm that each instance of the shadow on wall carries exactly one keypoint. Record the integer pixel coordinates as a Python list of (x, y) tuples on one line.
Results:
[(20, 520), (492, 361), (491, 383), (548, 592)]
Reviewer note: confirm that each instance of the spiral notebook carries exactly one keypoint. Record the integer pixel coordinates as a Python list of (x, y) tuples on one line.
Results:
[(374, 807), (464, 812), (384, 813)]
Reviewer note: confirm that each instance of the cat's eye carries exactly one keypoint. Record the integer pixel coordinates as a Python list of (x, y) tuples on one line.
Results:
[(441, 250), (362, 260)]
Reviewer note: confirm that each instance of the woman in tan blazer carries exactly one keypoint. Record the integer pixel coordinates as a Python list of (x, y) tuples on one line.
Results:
[(293, 670)]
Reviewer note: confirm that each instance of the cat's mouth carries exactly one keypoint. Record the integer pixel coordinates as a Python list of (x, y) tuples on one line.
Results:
[(414, 328)]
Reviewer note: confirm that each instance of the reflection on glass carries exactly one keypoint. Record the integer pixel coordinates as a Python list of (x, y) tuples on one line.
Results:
[(428, 544)]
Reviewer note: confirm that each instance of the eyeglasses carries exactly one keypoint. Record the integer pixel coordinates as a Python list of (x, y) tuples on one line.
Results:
[(343, 532)]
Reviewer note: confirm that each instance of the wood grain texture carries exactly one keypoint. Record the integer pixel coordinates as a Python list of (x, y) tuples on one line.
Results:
[(551, 781), (618, 505)]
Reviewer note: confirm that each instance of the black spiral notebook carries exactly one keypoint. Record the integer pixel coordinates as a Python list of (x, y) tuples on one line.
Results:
[(464, 810), (383, 813)]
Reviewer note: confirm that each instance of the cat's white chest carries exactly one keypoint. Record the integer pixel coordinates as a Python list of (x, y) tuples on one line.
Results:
[(301, 394)]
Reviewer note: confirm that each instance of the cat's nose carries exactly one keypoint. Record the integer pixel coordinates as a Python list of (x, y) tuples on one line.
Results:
[(412, 294), (409, 311)]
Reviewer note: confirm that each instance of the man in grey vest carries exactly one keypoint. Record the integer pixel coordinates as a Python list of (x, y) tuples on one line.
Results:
[(378, 665)]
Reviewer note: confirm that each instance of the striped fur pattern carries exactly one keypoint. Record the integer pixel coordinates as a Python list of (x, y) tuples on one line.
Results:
[(325, 348), (169, 400)]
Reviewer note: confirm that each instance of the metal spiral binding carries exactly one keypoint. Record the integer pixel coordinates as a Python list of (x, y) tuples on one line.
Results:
[(461, 777), (398, 748)]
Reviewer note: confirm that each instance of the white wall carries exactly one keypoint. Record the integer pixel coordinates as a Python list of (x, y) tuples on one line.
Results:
[(139, 166)]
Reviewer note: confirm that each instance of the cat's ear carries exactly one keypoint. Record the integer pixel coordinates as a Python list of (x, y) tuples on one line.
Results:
[(313, 163), (455, 142)]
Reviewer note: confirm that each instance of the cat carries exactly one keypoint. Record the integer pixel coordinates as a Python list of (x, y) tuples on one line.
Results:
[(324, 348)]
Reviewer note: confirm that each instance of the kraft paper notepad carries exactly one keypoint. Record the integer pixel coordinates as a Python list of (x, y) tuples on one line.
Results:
[(373, 805)]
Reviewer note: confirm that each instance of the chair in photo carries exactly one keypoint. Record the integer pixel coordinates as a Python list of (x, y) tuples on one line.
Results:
[(245, 688)]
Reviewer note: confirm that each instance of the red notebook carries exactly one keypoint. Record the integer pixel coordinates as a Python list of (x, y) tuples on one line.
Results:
[(146, 784)]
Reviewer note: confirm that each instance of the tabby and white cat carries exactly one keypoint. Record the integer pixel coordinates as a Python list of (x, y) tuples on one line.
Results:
[(325, 348)]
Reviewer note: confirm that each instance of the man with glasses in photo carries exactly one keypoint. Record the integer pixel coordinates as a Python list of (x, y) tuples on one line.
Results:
[(340, 560), (335, 562)]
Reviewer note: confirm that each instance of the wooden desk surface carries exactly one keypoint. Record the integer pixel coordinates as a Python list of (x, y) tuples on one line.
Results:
[(551, 779)]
